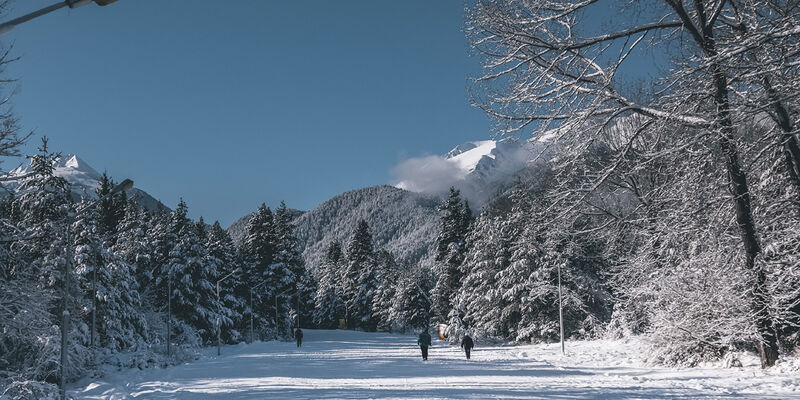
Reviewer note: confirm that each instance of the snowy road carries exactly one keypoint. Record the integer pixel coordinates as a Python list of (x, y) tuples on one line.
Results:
[(344, 364)]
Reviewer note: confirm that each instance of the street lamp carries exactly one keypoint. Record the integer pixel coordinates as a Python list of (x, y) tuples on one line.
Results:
[(219, 322), (10, 25), (560, 303), (251, 308), (123, 186)]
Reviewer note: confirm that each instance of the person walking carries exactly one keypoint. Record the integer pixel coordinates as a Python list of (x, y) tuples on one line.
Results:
[(298, 335), (424, 342), (467, 344)]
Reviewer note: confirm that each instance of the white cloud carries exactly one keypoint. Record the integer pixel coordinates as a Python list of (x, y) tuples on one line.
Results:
[(430, 174)]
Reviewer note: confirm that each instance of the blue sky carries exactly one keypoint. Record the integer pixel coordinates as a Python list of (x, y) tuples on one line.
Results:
[(229, 104)]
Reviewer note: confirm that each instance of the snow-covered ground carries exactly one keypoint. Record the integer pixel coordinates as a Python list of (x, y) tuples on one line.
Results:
[(346, 364)]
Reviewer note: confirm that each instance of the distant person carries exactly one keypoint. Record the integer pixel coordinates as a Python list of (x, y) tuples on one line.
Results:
[(424, 342), (467, 344), (298, 335)]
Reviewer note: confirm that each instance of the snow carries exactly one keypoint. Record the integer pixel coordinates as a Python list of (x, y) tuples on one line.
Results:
[(347, 364), (72, 168), (468, 160), (481, 166)]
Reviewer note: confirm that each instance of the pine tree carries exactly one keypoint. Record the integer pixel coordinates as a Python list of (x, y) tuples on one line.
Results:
[(478, 302), (360, 279), (450, 249), (260, 249), (110, 285), (412, 305), (111, 210), (288, 254), (193, 293), (328, 304), (221, 255), (387, 273)]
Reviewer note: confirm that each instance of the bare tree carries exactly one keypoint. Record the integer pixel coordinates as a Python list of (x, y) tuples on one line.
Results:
[(549, 68)]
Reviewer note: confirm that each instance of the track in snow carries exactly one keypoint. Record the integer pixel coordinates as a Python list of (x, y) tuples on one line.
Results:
[(346, 364)]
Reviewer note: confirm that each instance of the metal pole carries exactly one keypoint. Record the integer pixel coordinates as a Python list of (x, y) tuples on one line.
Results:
[(298, 307), (560, 309), (169, 314), (10, 25), (251, 315), (94, 306), (65, 312), (219, 328), (219, 310)]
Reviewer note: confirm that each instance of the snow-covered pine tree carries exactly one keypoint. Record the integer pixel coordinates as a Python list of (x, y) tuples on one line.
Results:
[(39, 212), (455, 220), (479, 302), (221, 256), (288, 254), (134, 247), (193, 278), (328, 303), (387, 273), (111, 210), (88, 261), (360, 279), (412, 304), (272, 300)]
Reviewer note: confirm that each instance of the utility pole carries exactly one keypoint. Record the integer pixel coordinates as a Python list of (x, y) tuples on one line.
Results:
[(298, 306), (94, 306), (169, 314)]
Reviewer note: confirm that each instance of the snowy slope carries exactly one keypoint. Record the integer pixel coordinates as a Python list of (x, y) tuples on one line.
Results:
[(402, 222), (356, 365), (84, 180)]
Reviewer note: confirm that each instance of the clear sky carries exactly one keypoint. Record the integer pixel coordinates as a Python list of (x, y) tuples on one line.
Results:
[(229, 104)]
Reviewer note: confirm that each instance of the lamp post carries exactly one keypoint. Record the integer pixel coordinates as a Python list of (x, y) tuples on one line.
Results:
[(251, 308), (10, 25), (123, 186), (219, 322)]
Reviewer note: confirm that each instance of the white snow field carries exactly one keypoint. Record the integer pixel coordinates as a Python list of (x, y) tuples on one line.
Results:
[(346, 364)]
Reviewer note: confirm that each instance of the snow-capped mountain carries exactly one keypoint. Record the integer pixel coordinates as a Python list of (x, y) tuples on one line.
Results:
[(480, 169), (84, 180)]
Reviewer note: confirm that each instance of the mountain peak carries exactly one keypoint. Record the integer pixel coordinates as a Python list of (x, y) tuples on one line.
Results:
[(478, 168), (73, 163), (84, 180)]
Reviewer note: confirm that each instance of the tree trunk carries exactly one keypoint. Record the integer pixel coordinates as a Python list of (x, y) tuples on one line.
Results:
[(768, 346), (791, 148)]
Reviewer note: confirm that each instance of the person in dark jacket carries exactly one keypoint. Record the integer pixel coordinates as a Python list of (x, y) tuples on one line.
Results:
[(424, 342), (467, 344), (298, 335)]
